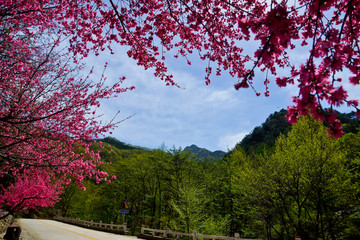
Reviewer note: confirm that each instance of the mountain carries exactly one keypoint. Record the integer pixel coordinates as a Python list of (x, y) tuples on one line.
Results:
[(261, 137), (203, 154), (199, 153), (120, 145), (264, 136)]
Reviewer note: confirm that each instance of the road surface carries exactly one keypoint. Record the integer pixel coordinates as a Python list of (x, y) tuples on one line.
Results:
[(36, 229)]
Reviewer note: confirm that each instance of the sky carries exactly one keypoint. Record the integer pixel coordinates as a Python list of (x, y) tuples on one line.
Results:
[(215, 116)]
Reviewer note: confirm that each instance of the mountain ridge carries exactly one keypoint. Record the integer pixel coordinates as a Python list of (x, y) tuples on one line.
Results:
[(203, 153), (261, 137)]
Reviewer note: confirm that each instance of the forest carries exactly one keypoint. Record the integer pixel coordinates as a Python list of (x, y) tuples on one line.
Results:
[(304, 184)]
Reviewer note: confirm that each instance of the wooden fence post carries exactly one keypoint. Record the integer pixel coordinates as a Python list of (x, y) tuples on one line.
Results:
[(142, 229), (194, 235), (165, 231)]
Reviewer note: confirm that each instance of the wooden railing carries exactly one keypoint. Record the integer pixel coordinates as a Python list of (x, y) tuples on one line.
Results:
[(146, 233), (95, 225), (157, 233)]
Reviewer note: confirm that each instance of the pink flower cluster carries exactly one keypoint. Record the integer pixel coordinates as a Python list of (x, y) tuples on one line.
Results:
[(219, 32), (47, 112)]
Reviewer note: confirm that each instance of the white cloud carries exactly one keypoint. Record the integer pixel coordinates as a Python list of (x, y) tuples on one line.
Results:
[(229, 141), (193, 114), (221, 97)]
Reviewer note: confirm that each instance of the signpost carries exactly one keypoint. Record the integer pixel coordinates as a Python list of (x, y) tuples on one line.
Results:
[(124, 210)]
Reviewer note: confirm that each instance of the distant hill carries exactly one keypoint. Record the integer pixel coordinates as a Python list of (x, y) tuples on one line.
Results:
[(266, 134), (261, 137), (120, 145), (199, 153), (202, 153), (350, 122)]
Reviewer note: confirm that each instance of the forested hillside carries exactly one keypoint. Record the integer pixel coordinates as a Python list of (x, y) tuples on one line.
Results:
[(307, 185), (264, 136), (118, 144)]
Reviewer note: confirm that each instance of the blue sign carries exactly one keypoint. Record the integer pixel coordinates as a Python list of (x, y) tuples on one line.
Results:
[(125, 211)]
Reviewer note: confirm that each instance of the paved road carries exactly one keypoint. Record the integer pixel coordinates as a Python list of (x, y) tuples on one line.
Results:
[(35, 229)]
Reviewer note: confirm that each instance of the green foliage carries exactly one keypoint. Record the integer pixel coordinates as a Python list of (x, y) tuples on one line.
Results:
[(350, 122), (304, 184), (304, 188), (118, 144), (192, 213), (264, 136), (188, 208)]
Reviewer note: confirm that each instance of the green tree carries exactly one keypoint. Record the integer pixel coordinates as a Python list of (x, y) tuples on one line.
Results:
[(304, 188), (350, 143), (192, 213), (188, 208)]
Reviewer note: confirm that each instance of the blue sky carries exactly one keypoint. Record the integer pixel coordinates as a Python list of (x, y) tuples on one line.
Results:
[(215, 117)]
